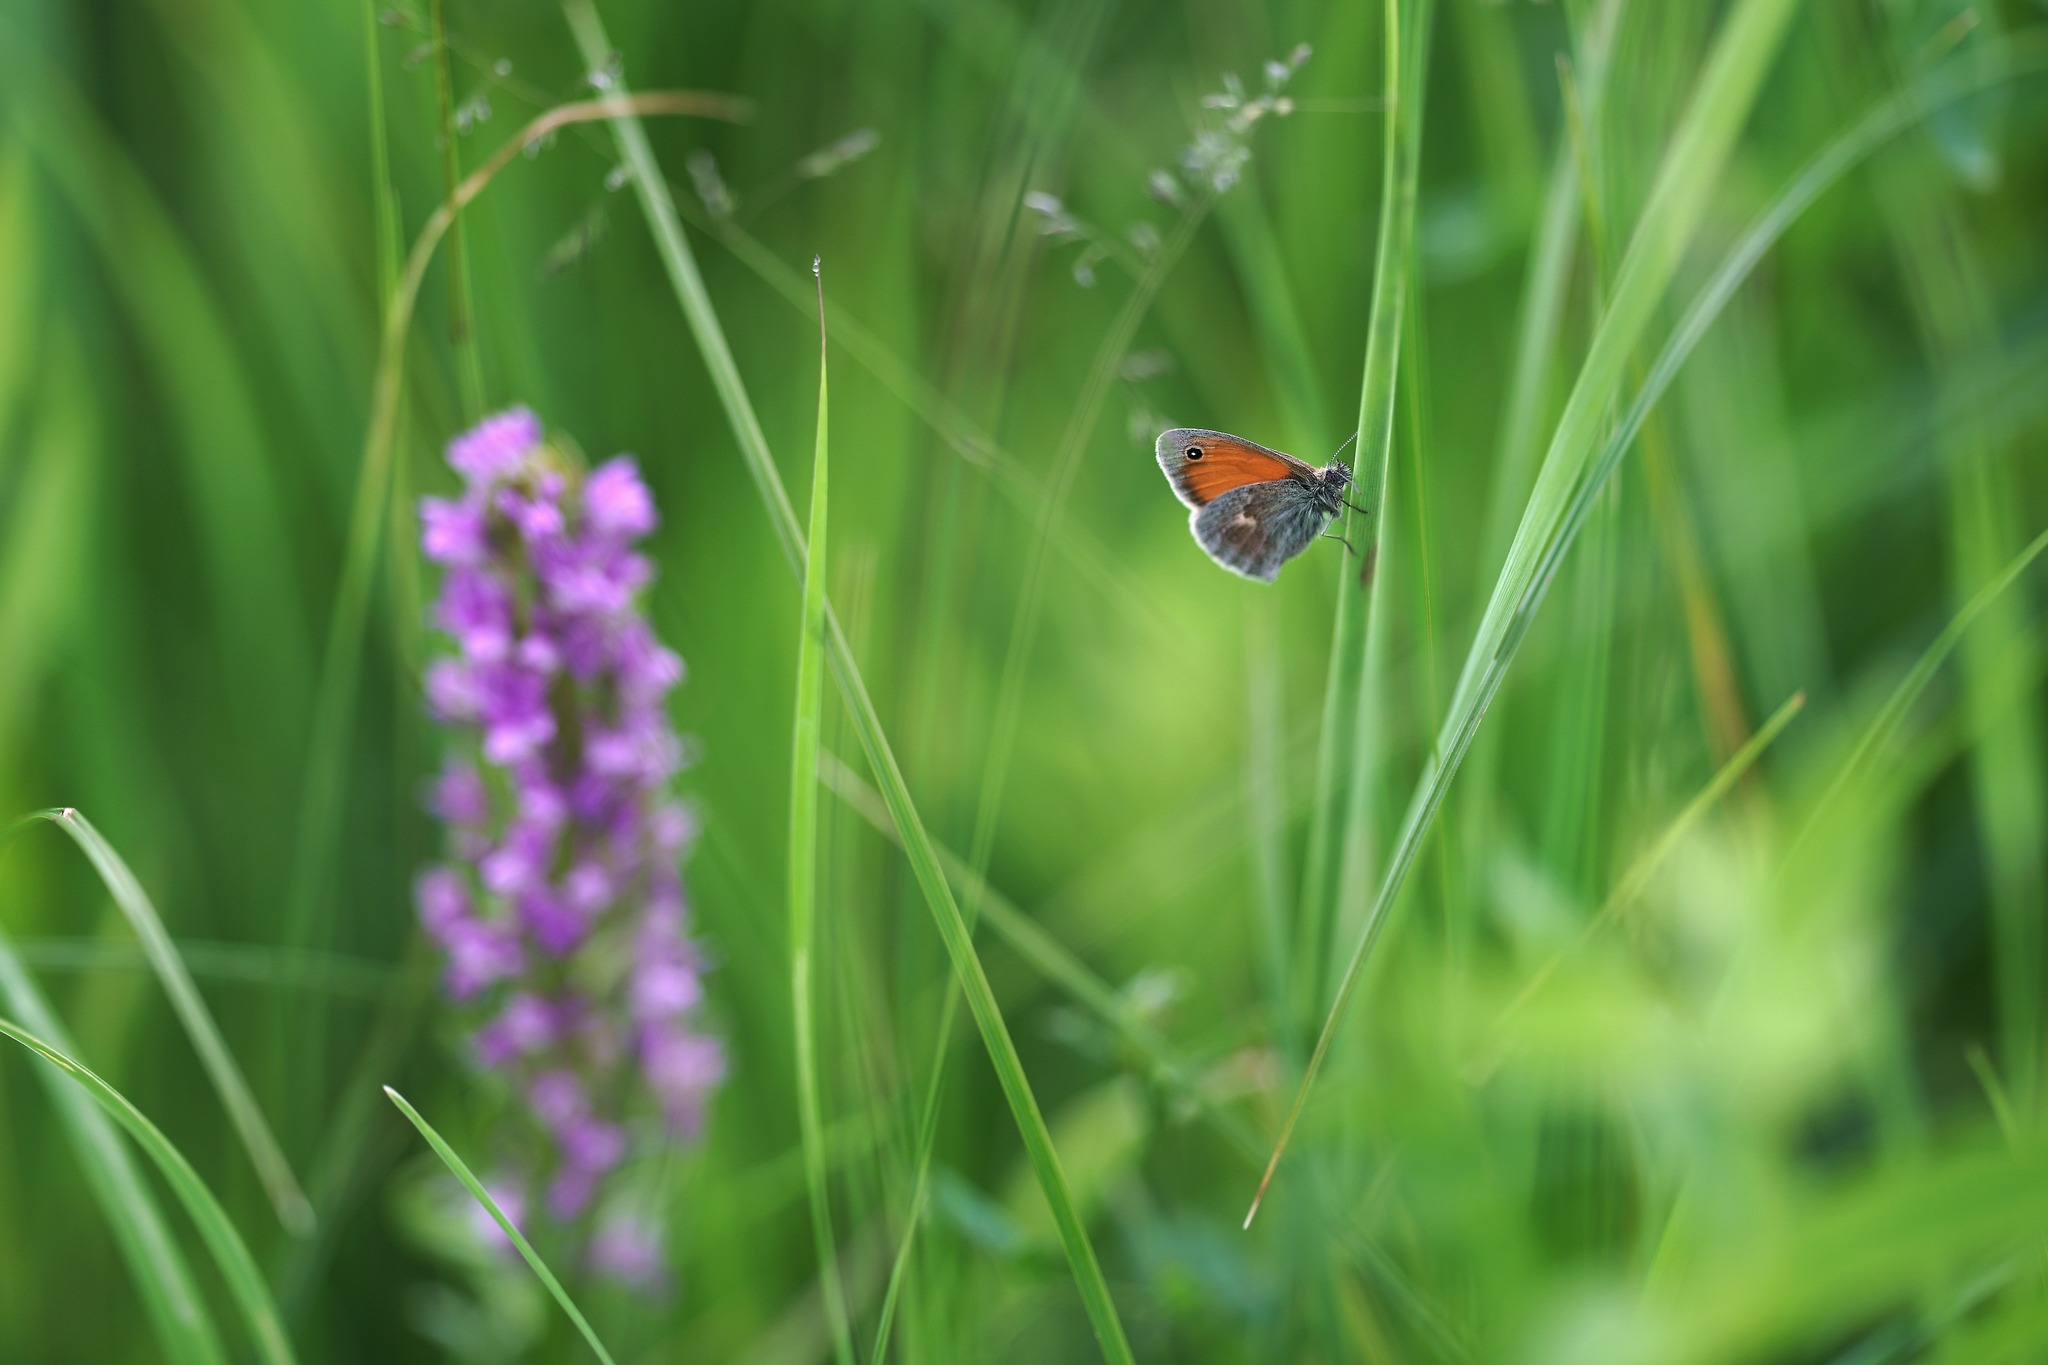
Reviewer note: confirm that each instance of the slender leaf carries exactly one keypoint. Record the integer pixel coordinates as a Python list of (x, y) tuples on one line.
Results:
[(170, 1296), (1637, 879), (1878, 735), (276, 1173), (803, 871), (244, 1281), (482, 1196)]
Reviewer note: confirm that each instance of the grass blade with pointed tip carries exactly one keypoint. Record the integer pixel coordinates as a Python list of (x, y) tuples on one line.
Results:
[(803, 871), (170, 1296), (1637, 878), (659, 209), (245, 1282), (1893, 713), (482, 1196), (283, 1188)]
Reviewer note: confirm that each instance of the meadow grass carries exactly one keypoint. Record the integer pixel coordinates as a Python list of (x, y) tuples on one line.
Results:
[(1612, 923)]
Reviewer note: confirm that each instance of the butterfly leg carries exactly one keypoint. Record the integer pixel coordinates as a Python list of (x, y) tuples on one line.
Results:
[(1331, 535)]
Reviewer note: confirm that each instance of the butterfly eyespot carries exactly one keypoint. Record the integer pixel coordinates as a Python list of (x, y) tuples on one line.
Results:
[(1193, 452)]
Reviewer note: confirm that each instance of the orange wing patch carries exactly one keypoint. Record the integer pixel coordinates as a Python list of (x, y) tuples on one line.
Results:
[(1204, 468)]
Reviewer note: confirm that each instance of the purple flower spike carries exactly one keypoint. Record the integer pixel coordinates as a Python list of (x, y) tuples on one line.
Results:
[(566, 841)]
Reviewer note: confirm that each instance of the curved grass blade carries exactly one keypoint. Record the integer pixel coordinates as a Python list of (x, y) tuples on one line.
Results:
[(1892, 714), (1052, 960), (244, 1281), (803, 871), (271, 1167), (1637, 878), (674, 248), (170, 1296), (482, 1196), (1705, 136)]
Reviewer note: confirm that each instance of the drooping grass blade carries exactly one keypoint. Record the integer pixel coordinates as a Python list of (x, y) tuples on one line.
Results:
[(184, 1327), (244, 1281), (283, 1188)]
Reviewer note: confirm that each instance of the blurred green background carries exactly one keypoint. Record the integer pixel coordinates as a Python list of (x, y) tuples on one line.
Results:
[(1630, 1075)]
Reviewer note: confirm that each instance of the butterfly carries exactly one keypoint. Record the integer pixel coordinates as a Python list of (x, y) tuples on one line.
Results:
[(1254, 508)]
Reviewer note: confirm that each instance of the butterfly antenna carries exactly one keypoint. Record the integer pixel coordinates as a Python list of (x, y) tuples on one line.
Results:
[(1347, 441)]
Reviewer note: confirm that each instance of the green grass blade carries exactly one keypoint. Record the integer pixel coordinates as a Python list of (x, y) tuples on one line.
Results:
[(1719, 107), (482, 1196), (1543, 300), (803, 872), (1343, 760), (170, 1296), (1347, 751), (271, 1167), (1050, 958), (1877, 736), (244, 1281), (1408, 36), (1637, 879), (1334, 745), (652, 190)]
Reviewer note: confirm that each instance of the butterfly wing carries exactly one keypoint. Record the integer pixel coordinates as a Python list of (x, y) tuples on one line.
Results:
[(1255, 529), (1204, 465)]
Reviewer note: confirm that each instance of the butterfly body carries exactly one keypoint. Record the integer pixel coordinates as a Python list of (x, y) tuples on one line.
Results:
[(1253, 508)]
